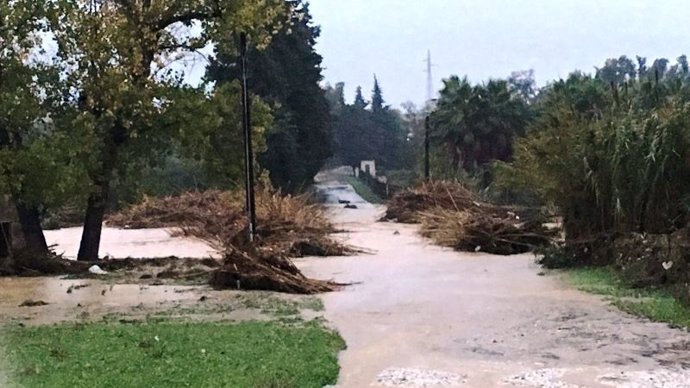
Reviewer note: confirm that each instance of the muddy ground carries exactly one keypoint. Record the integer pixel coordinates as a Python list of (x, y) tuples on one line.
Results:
[(165, 287), (416, 315), (90, 300)]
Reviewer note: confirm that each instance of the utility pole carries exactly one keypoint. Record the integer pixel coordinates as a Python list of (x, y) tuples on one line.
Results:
[(248, 150), (429, 106), (427, 170)]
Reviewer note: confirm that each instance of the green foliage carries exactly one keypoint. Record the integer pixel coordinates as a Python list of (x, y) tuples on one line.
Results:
[(477, 124), (366, 131), (173, 354), (610, 160), (286, 74), (36, 154), (210, 132)]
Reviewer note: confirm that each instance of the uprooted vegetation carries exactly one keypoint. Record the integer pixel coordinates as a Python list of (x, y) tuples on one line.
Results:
[(289, 226), (454, 216), (407, 206)]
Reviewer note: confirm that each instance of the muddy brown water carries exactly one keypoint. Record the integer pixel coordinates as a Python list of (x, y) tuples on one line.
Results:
[(418, 311), (68, 300), (417, 315), (122, 243)]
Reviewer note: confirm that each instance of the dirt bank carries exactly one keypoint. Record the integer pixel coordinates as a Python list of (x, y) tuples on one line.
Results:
[(420, 315)]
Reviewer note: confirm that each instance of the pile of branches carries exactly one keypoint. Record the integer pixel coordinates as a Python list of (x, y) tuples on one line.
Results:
[(171, 212), (454, 216), (473, 231), (289, 226), (407, 205)]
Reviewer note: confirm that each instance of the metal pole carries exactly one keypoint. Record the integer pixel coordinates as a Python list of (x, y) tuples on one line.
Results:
[(248, 150), (427, 173)]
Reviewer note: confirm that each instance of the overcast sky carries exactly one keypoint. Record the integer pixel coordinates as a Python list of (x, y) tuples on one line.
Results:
[(488, 38)]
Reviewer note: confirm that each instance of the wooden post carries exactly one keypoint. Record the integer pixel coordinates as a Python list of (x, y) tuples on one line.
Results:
[(248, 150)]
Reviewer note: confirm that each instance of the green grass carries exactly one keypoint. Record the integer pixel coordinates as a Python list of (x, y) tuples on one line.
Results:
[(656, 304), (364, 191), (280, 307), (173, 354)]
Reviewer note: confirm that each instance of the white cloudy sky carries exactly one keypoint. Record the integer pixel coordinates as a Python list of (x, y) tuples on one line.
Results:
[(488, 38)]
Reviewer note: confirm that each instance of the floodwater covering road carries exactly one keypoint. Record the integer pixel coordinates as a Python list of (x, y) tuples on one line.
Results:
[(419, 315), (416, 315)]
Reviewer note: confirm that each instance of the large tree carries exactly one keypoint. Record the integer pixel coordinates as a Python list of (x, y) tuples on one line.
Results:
[(287, 75), (369, 130), (116, 55), (29, 155)]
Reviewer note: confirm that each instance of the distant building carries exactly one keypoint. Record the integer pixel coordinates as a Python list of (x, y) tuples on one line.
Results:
[(369, 167)]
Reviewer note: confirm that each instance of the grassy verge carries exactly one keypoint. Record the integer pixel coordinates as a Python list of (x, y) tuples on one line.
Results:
[(173, 354), (364, 191), (655, 304)]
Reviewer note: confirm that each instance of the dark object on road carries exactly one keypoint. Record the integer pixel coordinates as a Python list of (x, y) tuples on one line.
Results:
[(343, 202), (350, 206), (33, 303)]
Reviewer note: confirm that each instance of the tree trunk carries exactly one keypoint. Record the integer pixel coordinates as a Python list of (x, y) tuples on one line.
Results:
[(6, 260), (30, 221), (93, 223)]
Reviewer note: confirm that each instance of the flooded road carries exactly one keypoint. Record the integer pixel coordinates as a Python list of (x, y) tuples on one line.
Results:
[(416, 315), (423, 316)]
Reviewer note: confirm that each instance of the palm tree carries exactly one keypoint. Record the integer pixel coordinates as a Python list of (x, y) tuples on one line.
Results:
[(477, 124)]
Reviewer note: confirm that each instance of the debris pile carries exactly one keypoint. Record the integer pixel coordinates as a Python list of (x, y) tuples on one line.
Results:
[(173, 212), (289, 226), (407, 205), (453, 216), (647, 260), (244, 271), (472, 231)]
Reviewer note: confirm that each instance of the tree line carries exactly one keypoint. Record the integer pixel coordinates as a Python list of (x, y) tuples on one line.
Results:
[(609, 150), (368, 130)]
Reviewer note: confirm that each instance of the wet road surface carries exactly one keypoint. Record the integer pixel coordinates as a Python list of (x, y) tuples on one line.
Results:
[(423, 316), (417, 315)]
